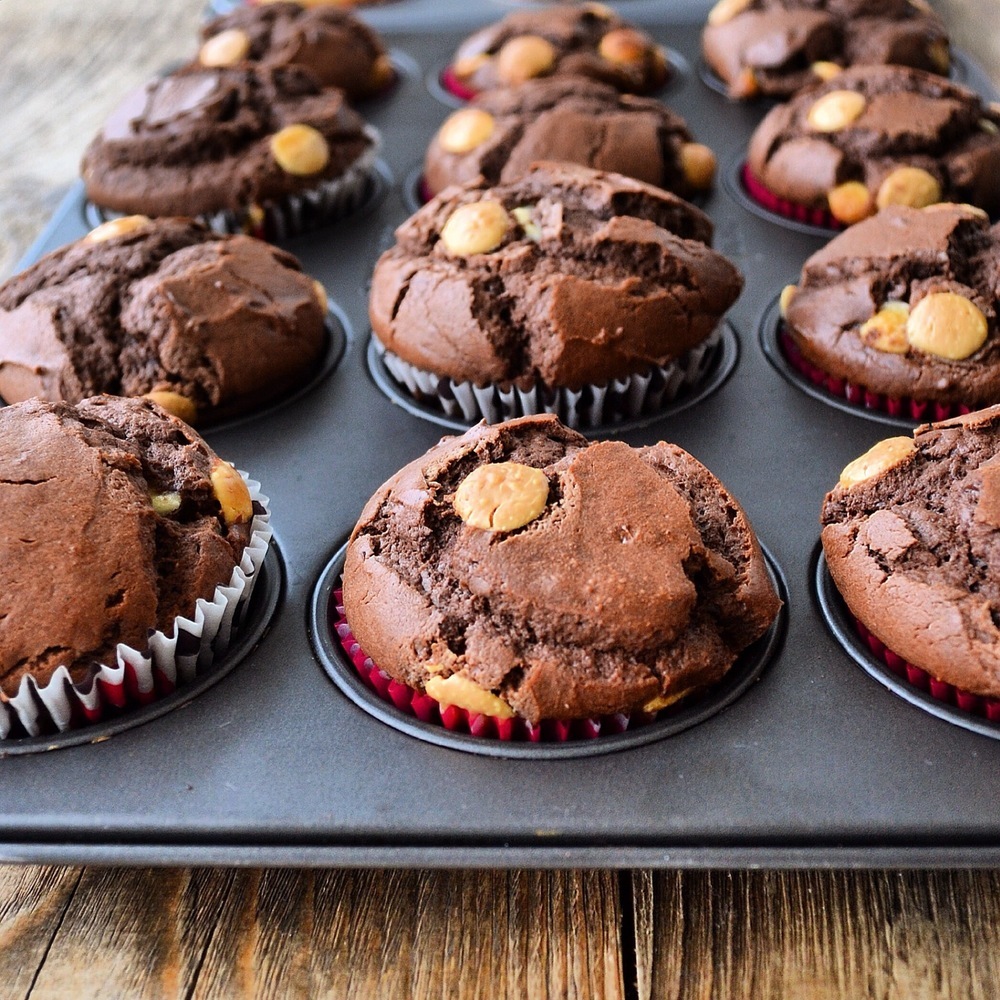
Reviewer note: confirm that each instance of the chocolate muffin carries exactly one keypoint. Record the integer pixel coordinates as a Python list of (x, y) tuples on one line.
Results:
[(504, 131), (904, 305), (519, 569), (207, 325), (248, 147), (564, 279), (119, 518), (911, 535), (777, 47), (337, 48), (877, 136), (587, 40)]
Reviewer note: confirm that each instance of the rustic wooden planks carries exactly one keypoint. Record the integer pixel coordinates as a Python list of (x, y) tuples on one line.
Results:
[(340, 934), (818, 935)]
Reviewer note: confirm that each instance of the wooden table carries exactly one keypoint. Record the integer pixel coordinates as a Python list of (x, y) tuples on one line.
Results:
[(275, 933)]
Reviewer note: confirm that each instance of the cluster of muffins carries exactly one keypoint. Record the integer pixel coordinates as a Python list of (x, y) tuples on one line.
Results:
[(519, 581)]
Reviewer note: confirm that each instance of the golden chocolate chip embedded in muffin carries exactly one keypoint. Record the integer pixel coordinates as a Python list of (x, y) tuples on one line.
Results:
[(502, 496)]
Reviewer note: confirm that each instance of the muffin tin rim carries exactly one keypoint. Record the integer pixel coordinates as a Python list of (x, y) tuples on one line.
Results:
[(740, 677)]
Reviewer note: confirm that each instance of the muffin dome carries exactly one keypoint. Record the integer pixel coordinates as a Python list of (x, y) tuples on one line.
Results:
[(877, 136), (905, 304), (585, 40), (520, 569), (503, 132), (911, 536), (209, 325), (777, 47), (118, 518), (207, 140), (334, 46)]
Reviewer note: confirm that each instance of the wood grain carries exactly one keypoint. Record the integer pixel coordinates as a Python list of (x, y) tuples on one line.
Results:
[(377, 935), (820, 935)]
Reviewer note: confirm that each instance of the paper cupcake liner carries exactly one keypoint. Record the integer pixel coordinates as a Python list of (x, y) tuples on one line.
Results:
[(329, 201), (988, 708), (138, 678), (859, 396), (451, 83), (427, 709), (782, 206), (592, 406)]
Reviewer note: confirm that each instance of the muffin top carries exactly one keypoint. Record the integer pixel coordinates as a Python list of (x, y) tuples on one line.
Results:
[(880, 135), (503, 132), (777, 47), (118, 518), (912, 539), (567, 274), (520, 569), (208, 325), (205, 140), (906, 304), (332, 44), (586, 40)]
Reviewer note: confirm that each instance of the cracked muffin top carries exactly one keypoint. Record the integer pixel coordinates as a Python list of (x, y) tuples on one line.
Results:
[(118, 517), (567, 275), (207, 325), (911, 535), (588, 40), (205, 140), (521, 569), (777, 47), (906, 304), (502, 132), (334, 46), (877, 136)]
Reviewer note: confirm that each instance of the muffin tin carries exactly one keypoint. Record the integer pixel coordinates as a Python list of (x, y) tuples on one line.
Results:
[(814, 764)]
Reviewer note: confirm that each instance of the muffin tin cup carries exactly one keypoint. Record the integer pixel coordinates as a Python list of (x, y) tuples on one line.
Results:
[(618, 404), (137, 678), (908, 681), (417, 714), (781, 350)]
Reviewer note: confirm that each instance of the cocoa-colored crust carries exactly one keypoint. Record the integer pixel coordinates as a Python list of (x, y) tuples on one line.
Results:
[(915, 552), (641, 578), (575, 33), (575, 121), (901, 255), (334, 46), (618, 280), (198, 141), (86, 561), (911, 119), (228, 322), (779, 40)]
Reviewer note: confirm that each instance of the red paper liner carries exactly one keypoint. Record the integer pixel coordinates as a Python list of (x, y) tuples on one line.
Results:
[(782, 206), (859, 396), (460, 720), (948, 694), (454, 85)]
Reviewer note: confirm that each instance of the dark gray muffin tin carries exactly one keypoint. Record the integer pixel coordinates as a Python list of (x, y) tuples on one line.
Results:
[(814, 764)]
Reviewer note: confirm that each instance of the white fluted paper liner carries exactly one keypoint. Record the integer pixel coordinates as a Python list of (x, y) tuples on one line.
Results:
[(591, 406), (178, 658)]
